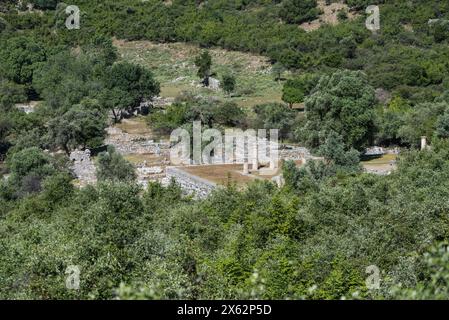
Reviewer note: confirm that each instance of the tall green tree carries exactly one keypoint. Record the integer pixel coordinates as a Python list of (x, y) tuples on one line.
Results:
[(20, 58), (82, 126), (298, 11), (344, 103), (204, 63), (65, 79), (228, 83), (275, 116), (423, 120), (126, 86), (295, 90), (111, 166), (389, 119)]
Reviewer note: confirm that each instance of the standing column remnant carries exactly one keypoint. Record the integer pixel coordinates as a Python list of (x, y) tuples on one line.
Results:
[(255, 158), (245, 167), (273, 165), (423, 142)]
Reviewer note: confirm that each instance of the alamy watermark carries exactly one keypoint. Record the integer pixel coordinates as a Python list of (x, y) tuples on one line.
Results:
[(237, 146), (73, 20), (372, 22), (373, 280), (72, 281)]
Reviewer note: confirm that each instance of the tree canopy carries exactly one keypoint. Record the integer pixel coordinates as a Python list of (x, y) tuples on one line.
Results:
[(342, 102), (204, 63), (126, 87), (312, 238)]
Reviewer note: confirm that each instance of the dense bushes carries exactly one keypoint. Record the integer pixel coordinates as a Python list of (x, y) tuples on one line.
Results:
[(112, 166), (298, 11), (344, 103), (395, 59), (260, 243), (44, 4), (405, 42), (188, 109), (28, 167), (20, 58), (312, 238)]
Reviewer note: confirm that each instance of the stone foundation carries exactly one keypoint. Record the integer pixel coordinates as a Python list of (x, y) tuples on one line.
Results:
[(126, 143), (189, 183)]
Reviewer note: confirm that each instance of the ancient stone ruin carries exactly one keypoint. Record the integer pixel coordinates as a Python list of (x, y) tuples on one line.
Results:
[(28, 107), (374, 151), (127, 143), (197, 187), (214, 84), (83, 167)]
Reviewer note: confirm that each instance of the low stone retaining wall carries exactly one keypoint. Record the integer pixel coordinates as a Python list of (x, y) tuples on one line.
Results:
[(125, 145), (189, 183), (294, 153)]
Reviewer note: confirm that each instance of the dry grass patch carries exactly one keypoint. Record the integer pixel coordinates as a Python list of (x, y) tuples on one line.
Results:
[(149, 158), (173, 66), (385, 159), (268, 97), (230, 173), (384, 163), (134, 126), (220, 174)]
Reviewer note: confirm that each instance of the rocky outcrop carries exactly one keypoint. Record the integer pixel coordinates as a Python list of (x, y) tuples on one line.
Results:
[(83, 167), (214, 84)]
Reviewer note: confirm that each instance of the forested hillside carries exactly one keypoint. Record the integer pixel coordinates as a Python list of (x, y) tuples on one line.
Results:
[(312, 238)]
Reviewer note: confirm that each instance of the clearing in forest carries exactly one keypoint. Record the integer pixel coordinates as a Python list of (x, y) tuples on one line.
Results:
[(173, 66), (385, 163)]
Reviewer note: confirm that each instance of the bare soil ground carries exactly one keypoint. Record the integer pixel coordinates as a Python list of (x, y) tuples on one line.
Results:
[(135, 125), (223, 174), (220, 174), (382, 164)]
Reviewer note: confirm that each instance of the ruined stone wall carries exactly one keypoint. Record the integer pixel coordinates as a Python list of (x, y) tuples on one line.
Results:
[(189, 183), (83, 167), (28, 107), (126, 143), (265, 151), (294, 153)]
